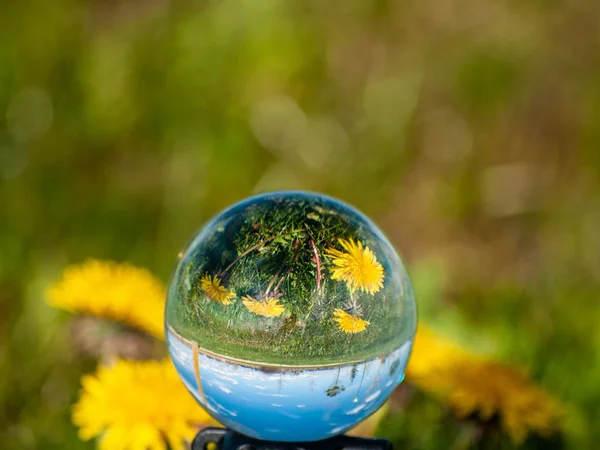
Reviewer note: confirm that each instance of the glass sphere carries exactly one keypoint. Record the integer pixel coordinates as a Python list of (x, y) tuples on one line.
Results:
[(290, 317)]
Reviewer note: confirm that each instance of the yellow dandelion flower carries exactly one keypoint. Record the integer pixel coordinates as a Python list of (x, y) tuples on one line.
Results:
[(113, 291), (216, 291), (488, 388), (357, 266), (138, 405), (269, 307), (471, 384), (349, 323), (432, 354)]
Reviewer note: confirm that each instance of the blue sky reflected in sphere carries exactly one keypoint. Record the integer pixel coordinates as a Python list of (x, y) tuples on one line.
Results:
[(290, 404)]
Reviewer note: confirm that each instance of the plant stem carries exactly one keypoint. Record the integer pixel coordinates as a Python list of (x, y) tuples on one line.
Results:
[(254, 247), (354, 304), (196, 361), (287, 272), (275, 277), (317, 262)]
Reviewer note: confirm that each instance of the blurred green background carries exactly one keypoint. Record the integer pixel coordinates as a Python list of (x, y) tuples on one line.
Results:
[(469, 130)]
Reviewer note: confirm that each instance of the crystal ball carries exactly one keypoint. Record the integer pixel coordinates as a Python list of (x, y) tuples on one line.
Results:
[(290, 317)]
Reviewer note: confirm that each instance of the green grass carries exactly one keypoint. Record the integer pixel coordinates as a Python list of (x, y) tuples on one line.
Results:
[(470, 134)]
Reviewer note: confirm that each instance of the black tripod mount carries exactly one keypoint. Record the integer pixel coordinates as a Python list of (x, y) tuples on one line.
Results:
[(226, 439)]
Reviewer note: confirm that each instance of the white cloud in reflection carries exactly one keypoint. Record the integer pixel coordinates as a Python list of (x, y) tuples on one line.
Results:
[(373, 396)]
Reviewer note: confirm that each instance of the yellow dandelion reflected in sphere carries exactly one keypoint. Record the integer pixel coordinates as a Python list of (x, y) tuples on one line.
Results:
[(267, 308), (139, 405), (357, 266), (111, 290), (215, 291), (349, 323)]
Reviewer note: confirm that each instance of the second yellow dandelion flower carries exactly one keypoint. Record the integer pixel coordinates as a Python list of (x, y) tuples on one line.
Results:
[(269, 307), (215, 290), (349, 323), (138, 405)]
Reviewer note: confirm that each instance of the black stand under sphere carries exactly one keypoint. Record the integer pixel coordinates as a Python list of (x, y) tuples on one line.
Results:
[(226, 439)]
